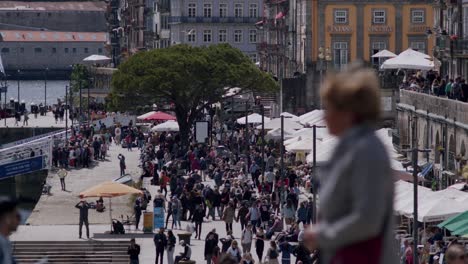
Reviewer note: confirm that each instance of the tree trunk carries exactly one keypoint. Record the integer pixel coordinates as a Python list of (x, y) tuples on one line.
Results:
[(184, 127)]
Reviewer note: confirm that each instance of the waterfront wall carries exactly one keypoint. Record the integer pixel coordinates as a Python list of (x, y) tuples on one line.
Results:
[(11, 134), (437, 105)]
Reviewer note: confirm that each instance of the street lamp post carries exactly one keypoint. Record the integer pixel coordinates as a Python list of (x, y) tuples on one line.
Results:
[(282, 147), (262, 109), (414, 155), (18, 78), (45, 88), (314, 178), (89, 116), (66, 113), (81, 106), (247, 127)]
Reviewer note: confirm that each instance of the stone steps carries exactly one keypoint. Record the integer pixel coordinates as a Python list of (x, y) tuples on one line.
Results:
[(71, 251)]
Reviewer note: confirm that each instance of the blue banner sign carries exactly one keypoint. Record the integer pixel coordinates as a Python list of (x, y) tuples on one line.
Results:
[(21, 167), (158, 217)]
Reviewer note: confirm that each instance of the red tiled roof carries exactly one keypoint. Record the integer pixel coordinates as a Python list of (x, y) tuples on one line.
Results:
[(51, 36), (52, 6)]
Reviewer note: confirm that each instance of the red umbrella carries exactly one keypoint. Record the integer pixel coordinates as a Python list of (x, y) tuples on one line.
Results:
[(159, 116)]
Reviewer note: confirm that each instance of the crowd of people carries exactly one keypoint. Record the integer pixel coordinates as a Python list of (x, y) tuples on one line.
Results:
[(434, 84)]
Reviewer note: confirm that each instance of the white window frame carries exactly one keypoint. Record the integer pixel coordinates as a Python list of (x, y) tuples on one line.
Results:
[(340, 54), (192, 37), (418, 16), (339, 14), (379, 16), (238, 10), (253, 57), (191, 9), (377, 45), (207, 10), (222, 36), (223, 9), (418, 45), (253, 10), (253, 36), (238, 36), (207, 36)]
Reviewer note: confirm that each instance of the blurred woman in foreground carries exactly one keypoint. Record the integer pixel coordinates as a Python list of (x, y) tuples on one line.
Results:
[(356, 197)]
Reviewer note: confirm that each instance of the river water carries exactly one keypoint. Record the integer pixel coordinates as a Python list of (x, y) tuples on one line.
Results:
[(34, 91)]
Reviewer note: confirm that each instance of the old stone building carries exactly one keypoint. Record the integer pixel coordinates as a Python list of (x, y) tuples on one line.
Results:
[(440, 124), (53, 16)]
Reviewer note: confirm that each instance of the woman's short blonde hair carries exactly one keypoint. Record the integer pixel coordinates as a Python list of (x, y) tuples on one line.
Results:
[(356, 90)]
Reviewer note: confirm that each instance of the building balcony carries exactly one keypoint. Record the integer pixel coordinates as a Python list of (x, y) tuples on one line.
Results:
[(199, 19), (459, 46)]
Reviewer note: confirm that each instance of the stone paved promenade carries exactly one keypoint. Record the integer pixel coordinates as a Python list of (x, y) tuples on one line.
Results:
[(41, 121), (59, 207)]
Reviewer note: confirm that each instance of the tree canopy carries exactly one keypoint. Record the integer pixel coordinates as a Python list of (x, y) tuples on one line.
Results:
[(190, 78)]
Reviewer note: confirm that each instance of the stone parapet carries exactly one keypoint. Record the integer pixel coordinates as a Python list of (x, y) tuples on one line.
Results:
[(441, 106)]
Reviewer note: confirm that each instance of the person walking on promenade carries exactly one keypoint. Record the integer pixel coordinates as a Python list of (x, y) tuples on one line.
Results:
[(246, 238), (242, 215), (9, 221), (198, 220), (122, 164), (129, 141), (211, 241), (260, 243), (356, 196), (83, 206), (133, 251), (160, 242), (228, 216), (62, 173), (272, 254), (137, 210), (171, 242), (118, 134), (25, 118)]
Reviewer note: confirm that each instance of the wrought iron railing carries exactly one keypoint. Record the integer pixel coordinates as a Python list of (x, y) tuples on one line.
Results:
[(199, 19)]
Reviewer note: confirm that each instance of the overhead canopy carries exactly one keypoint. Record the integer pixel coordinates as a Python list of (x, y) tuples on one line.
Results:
[(456, 222), (409, 59), (384, 54), (290, 116), (276, 134), (252, 119), (97, 58), (143, 116), (325, 150), (109, 189), (168, 126), (310, 115), (433, 206), (276, 123), (159, 116)]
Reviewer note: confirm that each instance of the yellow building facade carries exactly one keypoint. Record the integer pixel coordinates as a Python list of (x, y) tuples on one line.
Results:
[(355, 30)]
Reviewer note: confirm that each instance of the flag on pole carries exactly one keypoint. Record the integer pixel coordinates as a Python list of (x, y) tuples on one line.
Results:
[(2, 70)]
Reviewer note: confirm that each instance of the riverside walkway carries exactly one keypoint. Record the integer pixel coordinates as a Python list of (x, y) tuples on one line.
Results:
[(41, 121), (59, 207)]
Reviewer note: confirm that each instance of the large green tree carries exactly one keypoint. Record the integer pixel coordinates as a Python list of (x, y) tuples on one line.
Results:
[(191, 78)]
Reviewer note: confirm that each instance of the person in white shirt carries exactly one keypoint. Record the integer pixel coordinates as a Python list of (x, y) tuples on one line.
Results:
[(246, 238), (234, 251)]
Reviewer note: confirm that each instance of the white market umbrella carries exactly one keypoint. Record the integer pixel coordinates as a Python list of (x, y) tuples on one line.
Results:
[(409, 59), (252, 119), (97, 59), (168, 126), (384, 54), (276, 123), (290, 116), (276, 134)]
